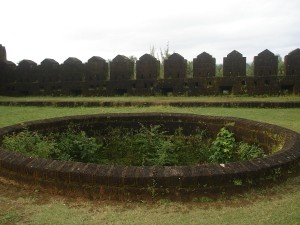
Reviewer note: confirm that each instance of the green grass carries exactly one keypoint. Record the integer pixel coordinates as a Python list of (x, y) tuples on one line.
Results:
[(274, 206), (285, 117), (278, 211), (9, 217), (277, 205), (225, 98)]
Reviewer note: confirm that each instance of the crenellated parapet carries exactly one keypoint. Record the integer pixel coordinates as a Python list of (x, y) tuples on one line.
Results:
[(265, 64), (175, 67), (292, 63), (204, 65), (2, 54), (234, 65), (123, 76), (121, 68), (147, 67), (96, 69)]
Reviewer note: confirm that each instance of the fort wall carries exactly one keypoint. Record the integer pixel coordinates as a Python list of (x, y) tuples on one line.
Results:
[(122, 76)]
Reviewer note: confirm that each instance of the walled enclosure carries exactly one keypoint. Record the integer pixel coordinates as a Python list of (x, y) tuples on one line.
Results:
[(122, 76), (177, 182)]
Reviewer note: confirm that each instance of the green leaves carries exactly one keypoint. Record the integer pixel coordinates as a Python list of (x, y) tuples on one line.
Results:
[(223, 147), (30, 144), (75, 145), (70, 145), (248, 152), (145, 146)]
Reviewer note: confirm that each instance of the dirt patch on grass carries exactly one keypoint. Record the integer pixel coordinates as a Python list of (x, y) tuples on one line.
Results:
[(21, 204), (13, 191)]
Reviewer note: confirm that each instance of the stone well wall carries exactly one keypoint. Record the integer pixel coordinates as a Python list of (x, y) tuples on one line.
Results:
[(132, 182)]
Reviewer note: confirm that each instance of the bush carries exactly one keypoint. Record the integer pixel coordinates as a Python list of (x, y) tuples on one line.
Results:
[(192, 149), (146, 146), (248, 152), (155, 146), (74, 145), (30, 144), (70, 145), (117, 147), (152, 146), (223, 147)]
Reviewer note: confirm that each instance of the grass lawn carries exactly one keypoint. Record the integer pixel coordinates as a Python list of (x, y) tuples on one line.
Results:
[(224, 98), (285, 117), (276, 205)]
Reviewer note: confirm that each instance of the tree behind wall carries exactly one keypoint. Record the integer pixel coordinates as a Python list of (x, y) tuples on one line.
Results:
[(161, 56)]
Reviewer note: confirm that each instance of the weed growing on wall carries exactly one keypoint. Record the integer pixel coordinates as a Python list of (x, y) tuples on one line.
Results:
[(145, 146)]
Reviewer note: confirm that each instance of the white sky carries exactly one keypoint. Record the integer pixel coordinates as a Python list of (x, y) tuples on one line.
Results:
[(58, 29)]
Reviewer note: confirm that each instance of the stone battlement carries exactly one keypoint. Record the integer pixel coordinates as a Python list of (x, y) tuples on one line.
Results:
[(123, 76)]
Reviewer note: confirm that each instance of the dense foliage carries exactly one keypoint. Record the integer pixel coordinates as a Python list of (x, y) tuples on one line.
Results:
[(147, 146), (225, 149)]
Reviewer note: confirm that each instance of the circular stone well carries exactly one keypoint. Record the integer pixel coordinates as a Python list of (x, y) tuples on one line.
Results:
[(139, 182)]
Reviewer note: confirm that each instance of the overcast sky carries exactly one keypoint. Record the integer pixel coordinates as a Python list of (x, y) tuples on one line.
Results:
[(58, 29)]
